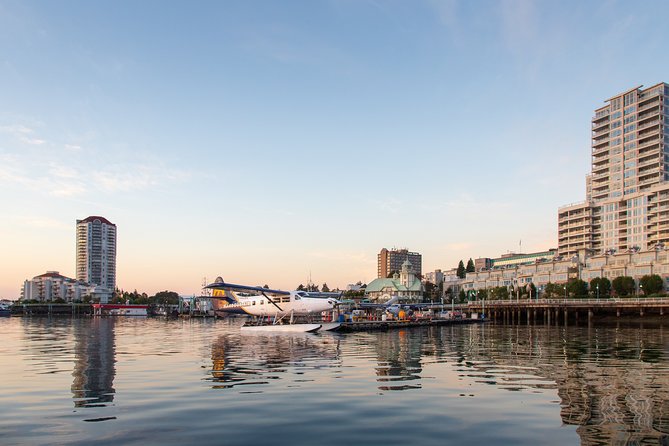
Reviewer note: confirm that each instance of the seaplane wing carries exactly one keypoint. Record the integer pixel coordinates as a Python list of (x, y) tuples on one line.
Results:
[(246, 289)]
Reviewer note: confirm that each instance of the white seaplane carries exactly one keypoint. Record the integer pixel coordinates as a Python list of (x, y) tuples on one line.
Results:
[(272, 305)]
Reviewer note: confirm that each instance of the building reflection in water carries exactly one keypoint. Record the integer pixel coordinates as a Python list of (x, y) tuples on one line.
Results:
[(612, 383), (398, 356), (246, 359), (94, 367)]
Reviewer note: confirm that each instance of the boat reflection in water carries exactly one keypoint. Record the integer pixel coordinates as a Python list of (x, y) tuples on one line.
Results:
[(256, 358)]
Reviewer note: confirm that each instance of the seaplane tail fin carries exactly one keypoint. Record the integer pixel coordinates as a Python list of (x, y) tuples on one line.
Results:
[(224, 295), (392, 300)]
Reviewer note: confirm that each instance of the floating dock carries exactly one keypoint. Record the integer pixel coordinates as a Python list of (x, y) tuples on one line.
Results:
[(346, 327)]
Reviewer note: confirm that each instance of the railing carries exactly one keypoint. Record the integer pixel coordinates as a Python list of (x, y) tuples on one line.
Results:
[(575, 302)]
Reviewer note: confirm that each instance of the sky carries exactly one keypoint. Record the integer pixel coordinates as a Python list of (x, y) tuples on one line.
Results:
[(272, 142)]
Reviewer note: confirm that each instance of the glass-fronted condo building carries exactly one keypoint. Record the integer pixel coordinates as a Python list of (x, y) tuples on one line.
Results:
[(627, 190)]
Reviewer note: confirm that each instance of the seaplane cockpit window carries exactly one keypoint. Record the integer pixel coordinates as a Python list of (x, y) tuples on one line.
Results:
[(297, 298), (301, 293)]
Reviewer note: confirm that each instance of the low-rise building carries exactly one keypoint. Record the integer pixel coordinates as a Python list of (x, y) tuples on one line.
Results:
[(52, 285), (405, 286), (560, 270)]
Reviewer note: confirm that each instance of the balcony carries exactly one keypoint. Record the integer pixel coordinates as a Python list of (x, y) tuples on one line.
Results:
[(603, 132), (650, 123), (652, 171), (599, 178), (647, 106), (650, 131), (651, 147), (647, 161), (597, 126)]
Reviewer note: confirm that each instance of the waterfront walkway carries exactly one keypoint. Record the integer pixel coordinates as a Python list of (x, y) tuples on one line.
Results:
[(556, 310)]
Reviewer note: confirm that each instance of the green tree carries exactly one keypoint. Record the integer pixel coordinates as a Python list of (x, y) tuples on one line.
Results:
[(651, 284), (470, 266), (325, 288), (166, 297), (429, 290), (499, 293), (553, 290), (462, 296), (531, 290), (623, 285), (300, 287), (577, 288), (604, 286), (461, 272)]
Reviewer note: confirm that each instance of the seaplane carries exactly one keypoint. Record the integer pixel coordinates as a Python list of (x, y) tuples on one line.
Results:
[(271, 307)]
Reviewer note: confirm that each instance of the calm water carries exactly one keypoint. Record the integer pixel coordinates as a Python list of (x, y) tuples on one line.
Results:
[(125, 381)]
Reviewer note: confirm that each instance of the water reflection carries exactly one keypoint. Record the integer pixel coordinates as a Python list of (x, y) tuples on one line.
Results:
[(255, 359), (612, 383), (94, 363), (399, 359)]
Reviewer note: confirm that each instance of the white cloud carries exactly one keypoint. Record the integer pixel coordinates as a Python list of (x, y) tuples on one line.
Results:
[(22, 133), (68, 173)]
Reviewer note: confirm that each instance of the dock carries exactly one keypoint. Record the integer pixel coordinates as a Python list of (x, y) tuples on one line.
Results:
[(347, 327)]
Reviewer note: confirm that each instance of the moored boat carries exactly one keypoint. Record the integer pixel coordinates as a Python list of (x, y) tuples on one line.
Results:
[(119, 310)]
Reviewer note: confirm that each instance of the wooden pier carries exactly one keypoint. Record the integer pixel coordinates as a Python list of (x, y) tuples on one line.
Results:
[(556, 311)]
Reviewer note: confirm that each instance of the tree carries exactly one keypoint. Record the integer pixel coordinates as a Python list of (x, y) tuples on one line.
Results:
[(461, 272), (429, 290), (470, 266), (325, 288), (577, 288), (531, 290), (165, 297), (623, 285), (499, 293), (300, 287), (553, 290), (462, 296), (604, 286), (651, 284)]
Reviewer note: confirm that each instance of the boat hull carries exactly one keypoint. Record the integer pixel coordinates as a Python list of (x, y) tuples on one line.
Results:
[(288, 328)]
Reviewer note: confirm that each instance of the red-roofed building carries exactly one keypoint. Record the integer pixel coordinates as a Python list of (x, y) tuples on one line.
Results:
[(96, 253)]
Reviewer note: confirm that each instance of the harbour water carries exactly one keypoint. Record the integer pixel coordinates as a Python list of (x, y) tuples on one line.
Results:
[(139, 381)]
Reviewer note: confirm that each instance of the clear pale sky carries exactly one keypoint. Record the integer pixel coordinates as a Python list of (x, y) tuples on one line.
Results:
[(264, 141)]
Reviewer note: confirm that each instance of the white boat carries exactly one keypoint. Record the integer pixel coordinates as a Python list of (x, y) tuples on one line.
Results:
[(119, 310), (279, 328)]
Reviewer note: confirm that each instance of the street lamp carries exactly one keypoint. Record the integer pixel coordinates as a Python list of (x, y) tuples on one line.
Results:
[(640, 288), (597, 291), (565, 291)]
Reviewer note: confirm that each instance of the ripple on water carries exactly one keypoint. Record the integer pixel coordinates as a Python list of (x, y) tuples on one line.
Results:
[(176, 382)]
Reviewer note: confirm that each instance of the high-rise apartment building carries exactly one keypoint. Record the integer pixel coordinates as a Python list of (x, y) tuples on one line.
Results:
[(390, 261), (96, 252), (627, 190)]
